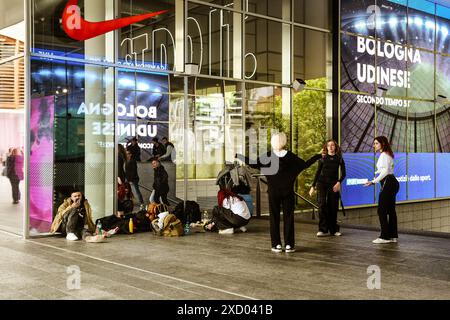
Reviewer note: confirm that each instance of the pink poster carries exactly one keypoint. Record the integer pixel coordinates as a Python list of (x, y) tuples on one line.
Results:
[(41, 164)]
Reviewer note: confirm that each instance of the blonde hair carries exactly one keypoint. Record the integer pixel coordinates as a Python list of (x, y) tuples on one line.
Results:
[(278, 141)]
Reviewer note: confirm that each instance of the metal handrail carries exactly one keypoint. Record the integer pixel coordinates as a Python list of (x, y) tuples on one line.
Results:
[(258, 196)]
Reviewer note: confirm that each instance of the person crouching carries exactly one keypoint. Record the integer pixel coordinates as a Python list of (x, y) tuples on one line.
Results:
[(230, 213)]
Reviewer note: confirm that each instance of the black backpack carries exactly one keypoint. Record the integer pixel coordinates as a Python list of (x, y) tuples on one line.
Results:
[(191, 213)]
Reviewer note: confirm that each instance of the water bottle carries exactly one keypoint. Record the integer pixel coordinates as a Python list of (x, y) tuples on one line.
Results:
[(99, 230), (205, 216), (187, 227)]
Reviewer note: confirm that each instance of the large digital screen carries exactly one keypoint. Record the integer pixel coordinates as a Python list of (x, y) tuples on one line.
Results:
[(390, 78)]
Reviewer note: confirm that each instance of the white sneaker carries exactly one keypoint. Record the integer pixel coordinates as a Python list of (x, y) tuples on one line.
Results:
[(277, 249), (243, 229), (337, 234), (381, 241), (321, 234), (395, 240), (226, 231), (289, 249), (71, 237)]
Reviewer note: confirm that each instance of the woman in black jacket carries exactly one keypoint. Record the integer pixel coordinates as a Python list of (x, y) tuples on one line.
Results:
[(328, 187), (281, 167)]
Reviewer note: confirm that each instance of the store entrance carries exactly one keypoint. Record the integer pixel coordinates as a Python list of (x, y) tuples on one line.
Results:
[(12, 124)]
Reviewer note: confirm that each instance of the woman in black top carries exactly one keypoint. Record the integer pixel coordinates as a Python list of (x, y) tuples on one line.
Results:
[(281, 168), (328, 187)]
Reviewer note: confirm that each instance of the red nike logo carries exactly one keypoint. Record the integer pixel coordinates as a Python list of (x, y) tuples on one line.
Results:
[(79, 29)]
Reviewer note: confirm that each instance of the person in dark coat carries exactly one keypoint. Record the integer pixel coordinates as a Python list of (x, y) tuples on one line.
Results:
[(160, 183), (159, 149), (14, 172), (134, 148), (281, 168), (131, 172)]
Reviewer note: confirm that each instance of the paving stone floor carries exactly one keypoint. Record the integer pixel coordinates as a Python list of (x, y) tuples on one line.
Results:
[(212, 266)]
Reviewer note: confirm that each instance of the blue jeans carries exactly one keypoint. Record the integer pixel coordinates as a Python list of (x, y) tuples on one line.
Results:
[(136, 191)]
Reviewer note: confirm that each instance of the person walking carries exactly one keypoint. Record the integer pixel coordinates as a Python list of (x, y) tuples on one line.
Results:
[(133, 147), (131, 173), (328, 187), (281, 167), (389, 190), (14, 172), (121, 161), (160, 183)]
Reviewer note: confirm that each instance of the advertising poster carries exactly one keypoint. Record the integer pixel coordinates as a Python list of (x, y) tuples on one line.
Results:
[(41, 163), (391, 80)]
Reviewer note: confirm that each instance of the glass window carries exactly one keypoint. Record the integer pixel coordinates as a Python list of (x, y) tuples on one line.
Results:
[(150, 42), (263, 44), (73, 113), (59, 31), (272, 8), (212, 42), (316, 13), (312, 56)]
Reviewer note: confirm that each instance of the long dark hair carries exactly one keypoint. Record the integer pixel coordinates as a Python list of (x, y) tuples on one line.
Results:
[(338, 149), (385, 145), (122, 152)]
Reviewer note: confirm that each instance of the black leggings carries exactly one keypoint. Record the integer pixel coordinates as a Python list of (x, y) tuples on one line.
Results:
[(328, 208), (386, 207)]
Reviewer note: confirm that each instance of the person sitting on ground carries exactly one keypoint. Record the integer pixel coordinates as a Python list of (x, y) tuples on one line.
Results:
[(74, 219), (231, 213)]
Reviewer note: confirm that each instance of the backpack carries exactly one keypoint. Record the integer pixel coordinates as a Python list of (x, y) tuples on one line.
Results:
[(172, 226), (191, 213), (153, 209)]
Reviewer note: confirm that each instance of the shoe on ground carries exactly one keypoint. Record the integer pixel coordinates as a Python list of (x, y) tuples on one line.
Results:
[(321, 234), (381, 241), (111, 232), (289, 249), (395, 240), (337, 234), (226, 231), (95, 239), (15, 202), (243, 229), (277, 249), (71, 237)]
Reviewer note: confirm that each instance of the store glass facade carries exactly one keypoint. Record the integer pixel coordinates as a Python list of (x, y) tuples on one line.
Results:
[(90, 94), (215, 78)]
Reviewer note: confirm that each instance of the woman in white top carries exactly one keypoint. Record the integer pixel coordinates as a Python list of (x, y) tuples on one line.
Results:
[(389, 190), (232, 212)]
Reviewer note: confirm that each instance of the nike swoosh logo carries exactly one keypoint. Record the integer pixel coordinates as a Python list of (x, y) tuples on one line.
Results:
[(79, 29)]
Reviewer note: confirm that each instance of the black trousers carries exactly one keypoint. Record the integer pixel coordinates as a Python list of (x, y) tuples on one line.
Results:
[(163, 196), (287, 202), (74, 223), (328, 208), (386, 207), (15, 189), (225, 219)]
